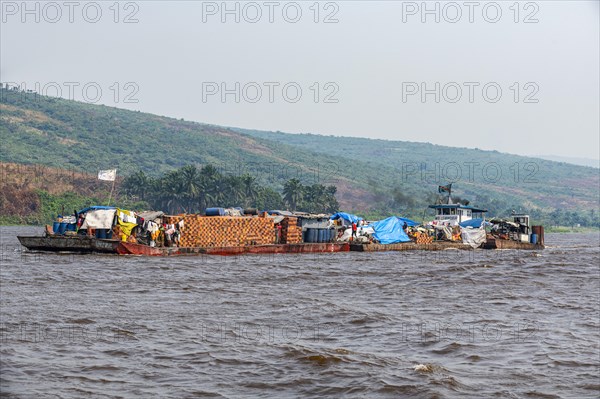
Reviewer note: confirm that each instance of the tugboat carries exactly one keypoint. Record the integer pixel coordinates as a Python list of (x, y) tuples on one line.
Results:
[(515, 234), (454, 214), (504, 234)]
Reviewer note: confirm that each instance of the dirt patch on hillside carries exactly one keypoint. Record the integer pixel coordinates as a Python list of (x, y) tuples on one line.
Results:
[(24, 115), (248, 143), (55, 181), (352, 198), (20, 186)]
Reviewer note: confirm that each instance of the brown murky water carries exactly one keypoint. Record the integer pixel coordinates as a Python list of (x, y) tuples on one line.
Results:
[(481, 324)]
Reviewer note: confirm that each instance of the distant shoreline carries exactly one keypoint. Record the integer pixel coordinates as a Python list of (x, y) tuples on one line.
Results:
[(567, 230)]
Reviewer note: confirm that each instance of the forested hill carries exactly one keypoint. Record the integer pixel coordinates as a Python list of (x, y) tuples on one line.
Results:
[(372, 176), (495, 180)]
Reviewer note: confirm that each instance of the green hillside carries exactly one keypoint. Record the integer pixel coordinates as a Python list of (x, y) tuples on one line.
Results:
[(495, 180), (372, 176), (68, 134)]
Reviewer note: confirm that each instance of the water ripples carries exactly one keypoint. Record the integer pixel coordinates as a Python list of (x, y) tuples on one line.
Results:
[(415, 324)]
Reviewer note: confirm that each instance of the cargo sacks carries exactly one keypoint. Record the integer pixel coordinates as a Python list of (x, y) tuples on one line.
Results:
[(224, 231)]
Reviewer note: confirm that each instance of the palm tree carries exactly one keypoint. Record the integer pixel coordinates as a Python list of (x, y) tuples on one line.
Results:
[(171, 191), (191, 185), (209, 181), (293, 192), (137, 184), (249, 190), (210, 172), (232, 192)]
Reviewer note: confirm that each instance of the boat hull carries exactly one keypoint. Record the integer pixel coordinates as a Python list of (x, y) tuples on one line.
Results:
[(409, 246), (129, 248), (443, 245), (126, 248), (79, 244), (497, 243)]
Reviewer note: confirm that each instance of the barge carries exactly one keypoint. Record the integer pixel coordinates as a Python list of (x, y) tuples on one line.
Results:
[(94, 245), (498, 243), (104, 229), (409, 246), (90, 245)]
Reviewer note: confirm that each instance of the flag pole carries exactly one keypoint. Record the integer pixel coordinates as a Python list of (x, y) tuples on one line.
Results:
[(112, 189)]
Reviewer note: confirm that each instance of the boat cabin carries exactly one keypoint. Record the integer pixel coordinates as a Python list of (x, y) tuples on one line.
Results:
[(456, 213), (522, 220)]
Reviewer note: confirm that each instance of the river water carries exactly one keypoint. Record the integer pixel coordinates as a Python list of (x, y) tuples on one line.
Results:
[(477, 324)]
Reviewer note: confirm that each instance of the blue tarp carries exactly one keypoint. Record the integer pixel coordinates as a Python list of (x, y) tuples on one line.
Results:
[(409, 223), (389, 231), (475, 223), (346, 216)]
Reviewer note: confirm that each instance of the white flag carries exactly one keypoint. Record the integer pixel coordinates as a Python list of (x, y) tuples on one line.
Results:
[(109, 175)]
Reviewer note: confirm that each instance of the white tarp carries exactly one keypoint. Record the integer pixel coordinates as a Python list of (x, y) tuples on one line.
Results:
[(346, 236), (151, 215), (99, 219), (473, 237), (232, 212), (361, 231)]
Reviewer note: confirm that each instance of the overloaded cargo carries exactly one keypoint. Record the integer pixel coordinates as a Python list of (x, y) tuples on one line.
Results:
[(223, 231), (290, 231), (238, 230)]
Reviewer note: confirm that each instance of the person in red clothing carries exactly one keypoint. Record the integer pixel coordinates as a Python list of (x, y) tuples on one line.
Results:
[(353, 230)]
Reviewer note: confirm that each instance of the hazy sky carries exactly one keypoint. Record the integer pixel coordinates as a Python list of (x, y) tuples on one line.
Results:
[(522, 79)]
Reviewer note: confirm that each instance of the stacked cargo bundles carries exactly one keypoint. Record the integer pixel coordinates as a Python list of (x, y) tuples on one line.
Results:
[(224, 231), (291, 233)]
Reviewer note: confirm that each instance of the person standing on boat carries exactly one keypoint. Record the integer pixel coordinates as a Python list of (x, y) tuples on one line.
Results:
[(278, 234), (354, 229)]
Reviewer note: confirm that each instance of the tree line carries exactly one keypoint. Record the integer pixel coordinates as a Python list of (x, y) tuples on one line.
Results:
[(190, 189)]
